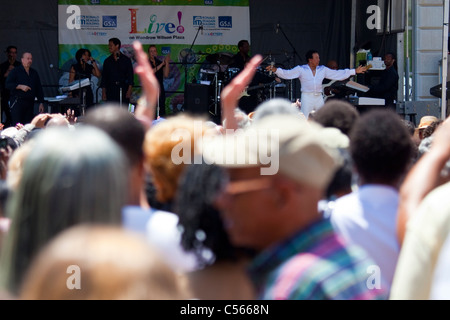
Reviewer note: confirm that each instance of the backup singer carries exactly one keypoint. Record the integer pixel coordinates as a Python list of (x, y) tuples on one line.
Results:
[(161, 69), (117, 77)]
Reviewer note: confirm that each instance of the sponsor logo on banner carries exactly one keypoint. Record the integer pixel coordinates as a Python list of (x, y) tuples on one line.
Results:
[(208, 22), (209, 2), (109, 21), (97, 34), (165, 50), (95, 1), (89, 21), (156, 26), (225, 22)]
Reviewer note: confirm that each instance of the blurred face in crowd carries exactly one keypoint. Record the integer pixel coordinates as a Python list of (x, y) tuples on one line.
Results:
[(112, 47), (27, 60), (12, 54), (152, 52), (245, 198), (389, 60), (245, 48)]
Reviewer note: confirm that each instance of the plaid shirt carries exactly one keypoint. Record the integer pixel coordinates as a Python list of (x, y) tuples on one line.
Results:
[(314, 264)]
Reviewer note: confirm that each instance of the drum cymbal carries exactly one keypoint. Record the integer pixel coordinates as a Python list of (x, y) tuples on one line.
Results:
[(220, 58)]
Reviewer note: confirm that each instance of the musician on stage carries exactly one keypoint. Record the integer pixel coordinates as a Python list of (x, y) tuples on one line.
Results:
[(117, 75), (311, 76), (85, 67), (161, 69), (387, 86), (241, 58)]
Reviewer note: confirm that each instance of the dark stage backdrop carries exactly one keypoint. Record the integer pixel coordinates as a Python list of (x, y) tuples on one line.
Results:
[(323, 25)]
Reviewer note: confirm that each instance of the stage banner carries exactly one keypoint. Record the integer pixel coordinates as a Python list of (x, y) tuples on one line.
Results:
[(194, 33)]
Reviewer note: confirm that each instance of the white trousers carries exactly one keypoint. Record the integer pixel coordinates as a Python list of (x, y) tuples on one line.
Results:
[(311, 102)]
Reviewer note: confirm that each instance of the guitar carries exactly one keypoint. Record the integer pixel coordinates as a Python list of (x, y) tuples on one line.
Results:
[(245, 92)]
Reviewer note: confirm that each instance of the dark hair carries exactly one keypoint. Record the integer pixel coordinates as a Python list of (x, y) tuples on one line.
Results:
[(122, 127), (241, 43), (80, 53), (428, 131), (337, 114), (116, 41), (309, 54), (342, 179), (200, 221), (409, 126), (10, 47), (381, 146), (391, 54)]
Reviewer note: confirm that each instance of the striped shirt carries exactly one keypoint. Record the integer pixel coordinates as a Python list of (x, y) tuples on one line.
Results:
[(314, 264)]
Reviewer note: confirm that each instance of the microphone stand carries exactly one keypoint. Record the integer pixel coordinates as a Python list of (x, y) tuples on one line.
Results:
[(185, 64), (295, 54)]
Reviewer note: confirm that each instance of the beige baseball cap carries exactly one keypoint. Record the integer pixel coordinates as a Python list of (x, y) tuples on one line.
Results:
[(279, 143)]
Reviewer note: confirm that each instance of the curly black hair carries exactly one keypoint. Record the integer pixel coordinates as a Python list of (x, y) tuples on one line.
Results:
[(199, 219), (337, 114), (381, 146)]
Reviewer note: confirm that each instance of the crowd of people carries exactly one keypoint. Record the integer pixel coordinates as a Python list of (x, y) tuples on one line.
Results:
[(284, 204)]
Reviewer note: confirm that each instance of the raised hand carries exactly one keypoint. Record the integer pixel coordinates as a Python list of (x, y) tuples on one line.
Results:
[(232, 92), (149, 82)]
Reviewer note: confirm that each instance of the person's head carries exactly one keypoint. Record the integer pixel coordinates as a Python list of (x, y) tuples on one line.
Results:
[(332, 64), (203, 232), (337, 114), (267, 200), (389, 59), (98, 262), (341, 184), (424, 123), (129, 134), (273, 107), (27, 60), (82, 55), (152, 51), (168, 147), (57, 120), (244, 46), (114, 45), (69, 177), (381, 147), (11, 53), (313, 58), (428, 131)]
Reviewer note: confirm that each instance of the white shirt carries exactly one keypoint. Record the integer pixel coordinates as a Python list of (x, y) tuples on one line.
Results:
[(368, 218), (313, 83), (161, 230)]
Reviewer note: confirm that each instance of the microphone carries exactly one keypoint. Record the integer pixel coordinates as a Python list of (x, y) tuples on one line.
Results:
[(117, 55), (51, 65), (271, 64), (278, 27), (201, 29)]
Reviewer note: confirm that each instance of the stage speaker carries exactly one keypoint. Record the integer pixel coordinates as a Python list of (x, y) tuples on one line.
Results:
[(197, 98)]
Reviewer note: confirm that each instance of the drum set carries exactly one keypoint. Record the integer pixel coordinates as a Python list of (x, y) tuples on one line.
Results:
[(216, 72)]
